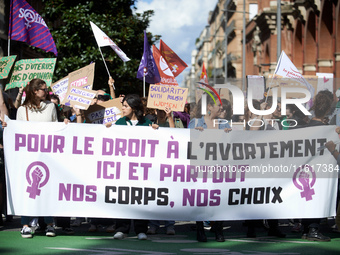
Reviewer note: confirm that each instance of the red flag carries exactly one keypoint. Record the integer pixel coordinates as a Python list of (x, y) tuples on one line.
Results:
[(167, 78), (176, 64), (204, 76)]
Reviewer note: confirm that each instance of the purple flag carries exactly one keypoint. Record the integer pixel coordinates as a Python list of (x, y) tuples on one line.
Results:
[(152, 75), (26, 25)]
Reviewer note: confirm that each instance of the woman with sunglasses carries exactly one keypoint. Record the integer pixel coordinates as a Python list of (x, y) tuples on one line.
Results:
[(37, 108)]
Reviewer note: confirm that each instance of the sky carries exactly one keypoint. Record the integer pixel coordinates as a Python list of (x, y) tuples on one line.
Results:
[(179, 22)]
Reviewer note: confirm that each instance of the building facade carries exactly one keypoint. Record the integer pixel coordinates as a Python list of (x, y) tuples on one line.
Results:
[(310, 32)]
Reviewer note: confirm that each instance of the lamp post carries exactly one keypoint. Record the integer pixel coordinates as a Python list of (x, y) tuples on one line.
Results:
[(278, 27), (244, 48), (226, 46)]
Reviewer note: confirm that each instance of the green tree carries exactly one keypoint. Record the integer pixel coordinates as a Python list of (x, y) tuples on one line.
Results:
[(69, 23)]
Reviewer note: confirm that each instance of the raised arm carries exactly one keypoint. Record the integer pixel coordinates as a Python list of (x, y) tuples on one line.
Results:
[(170, 118), (112, 91), (17, 102)]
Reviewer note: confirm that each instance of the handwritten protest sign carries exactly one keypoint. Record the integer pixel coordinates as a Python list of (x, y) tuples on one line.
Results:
[(83, 77), (106, 112), (79, 97), (161, 96), (28, 69), (60, 88), (6, 65)]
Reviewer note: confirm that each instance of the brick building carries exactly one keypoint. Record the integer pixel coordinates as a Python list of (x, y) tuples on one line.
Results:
[(309, 36)]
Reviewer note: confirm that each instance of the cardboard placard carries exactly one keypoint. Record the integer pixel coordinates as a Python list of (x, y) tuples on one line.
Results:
[(161, 96), (28, 69), (79, 97), (257, 84), (325, 81), (275, 81), (60, 88), (6, 65), (83, 77), (106, 112)]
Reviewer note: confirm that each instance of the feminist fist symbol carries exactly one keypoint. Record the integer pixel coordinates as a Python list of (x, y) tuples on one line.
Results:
[(34, 188), (307, 192)]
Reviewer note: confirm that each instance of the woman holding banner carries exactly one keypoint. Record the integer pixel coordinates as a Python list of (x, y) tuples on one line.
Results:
[(322, 104), (37, 108), (201, 123), (133, 115)]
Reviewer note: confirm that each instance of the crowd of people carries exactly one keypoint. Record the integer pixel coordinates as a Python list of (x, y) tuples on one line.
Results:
[(40, 105)]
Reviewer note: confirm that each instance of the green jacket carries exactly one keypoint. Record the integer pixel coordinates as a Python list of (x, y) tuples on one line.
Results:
[(124, 120)]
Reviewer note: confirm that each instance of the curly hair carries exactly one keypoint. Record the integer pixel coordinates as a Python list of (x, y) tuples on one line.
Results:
[(322, 103)]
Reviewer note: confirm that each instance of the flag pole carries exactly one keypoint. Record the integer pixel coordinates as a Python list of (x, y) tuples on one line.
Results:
[(106, 66), (9, 29), (9, 46), (144, 81), (271, 80)]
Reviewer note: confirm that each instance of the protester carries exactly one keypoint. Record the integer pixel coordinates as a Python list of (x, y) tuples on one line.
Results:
[(17, 102), (37, 108), (321, 107), (182, 119), (226, 113), (111, 83), (133, 115), (164, 119), (110, 224), (208, 122), (149, 113), (264, 122), (294, 118), (269, 121), (3, 112), (63, 222), (60, 113), (331, 146)]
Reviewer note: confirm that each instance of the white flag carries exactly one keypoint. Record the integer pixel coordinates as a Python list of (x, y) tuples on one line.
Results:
[(286, 68), (103, 40)]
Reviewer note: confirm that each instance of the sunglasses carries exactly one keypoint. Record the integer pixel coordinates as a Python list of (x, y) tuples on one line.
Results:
[(46, 89)]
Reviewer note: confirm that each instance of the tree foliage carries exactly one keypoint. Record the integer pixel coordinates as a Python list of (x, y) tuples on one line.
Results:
[(69, 23)]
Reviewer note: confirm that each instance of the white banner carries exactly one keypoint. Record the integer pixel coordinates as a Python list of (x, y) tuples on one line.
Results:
[(136, 172), (286, 68), (103, 40)]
